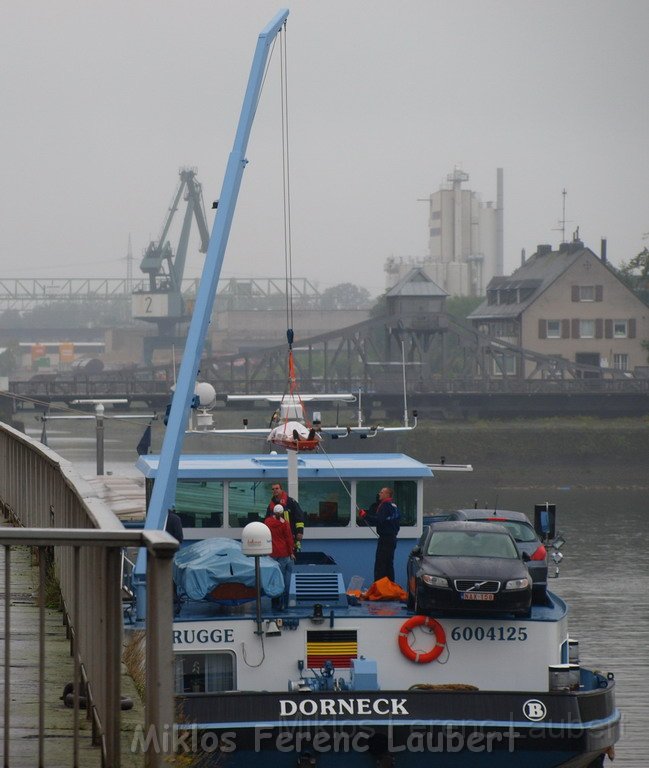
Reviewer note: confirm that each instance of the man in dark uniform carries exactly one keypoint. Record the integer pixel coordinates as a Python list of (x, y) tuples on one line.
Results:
[(174, 525), (385, 515), (292, 512)]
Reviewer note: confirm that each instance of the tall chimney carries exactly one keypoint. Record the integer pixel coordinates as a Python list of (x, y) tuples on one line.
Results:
[(522, 257), (602, 250), (500, 236)]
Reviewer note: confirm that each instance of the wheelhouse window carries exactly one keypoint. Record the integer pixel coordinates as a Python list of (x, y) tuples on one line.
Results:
[(586, 329), (620, 329), (204, 673), (325, 503), (247, 502), (199, 503), (554, 329), (405, 496)]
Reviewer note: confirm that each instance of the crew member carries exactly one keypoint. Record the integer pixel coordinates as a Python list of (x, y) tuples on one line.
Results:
[(385, 515), (282, 553), (292, 512), (174, 526)]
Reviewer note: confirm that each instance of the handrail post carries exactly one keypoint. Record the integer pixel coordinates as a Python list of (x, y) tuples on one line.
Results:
[(159, 697), (113, 610), (7, 655)]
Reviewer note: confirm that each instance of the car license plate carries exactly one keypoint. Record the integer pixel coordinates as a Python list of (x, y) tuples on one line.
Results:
[(477, 596)]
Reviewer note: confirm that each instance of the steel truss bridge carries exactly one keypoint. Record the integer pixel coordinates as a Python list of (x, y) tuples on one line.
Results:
[(436, 351), (447, 367), (449, 370), (24, 294)]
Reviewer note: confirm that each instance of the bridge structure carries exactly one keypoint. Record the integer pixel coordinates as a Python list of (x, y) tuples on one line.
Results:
[(24, 294), (446, 368)]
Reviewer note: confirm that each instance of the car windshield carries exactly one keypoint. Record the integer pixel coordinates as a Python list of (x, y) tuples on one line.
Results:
[(519, 530), (471, 544)]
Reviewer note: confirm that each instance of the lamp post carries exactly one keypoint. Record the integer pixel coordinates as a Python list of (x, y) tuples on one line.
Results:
[(99, 425), (99, 417)]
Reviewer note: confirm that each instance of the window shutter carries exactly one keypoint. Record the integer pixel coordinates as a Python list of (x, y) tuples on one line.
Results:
[(608, 329), (632, 328), (599, 293), (565, 329), (575, 292), (599, 328), (543, 329), (575, 329)]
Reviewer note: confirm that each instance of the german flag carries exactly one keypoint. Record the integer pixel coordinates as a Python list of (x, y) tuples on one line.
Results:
[(337, 646)]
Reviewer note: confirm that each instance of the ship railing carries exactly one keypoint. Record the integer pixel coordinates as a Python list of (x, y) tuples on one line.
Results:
[(79, 545)]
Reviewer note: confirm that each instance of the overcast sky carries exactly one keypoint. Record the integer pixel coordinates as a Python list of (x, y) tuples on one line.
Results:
[(104, 102)]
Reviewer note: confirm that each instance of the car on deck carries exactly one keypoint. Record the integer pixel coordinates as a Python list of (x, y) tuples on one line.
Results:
[(469, 567), (526, 538)]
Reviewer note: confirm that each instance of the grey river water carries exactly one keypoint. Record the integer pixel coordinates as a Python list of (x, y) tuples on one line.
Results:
[(604, 576)]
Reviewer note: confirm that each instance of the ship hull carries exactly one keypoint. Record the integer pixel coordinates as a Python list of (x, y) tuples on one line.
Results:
[(407, 729)]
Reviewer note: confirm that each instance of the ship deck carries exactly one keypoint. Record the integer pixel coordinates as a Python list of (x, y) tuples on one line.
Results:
[(208, 610)]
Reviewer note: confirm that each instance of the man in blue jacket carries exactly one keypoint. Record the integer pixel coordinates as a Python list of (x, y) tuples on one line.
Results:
[(385, 515)]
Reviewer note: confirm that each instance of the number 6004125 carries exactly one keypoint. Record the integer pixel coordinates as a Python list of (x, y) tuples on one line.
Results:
[(511, 634)]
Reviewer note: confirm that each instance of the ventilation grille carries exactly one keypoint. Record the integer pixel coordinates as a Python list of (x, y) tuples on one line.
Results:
[(318, 585)]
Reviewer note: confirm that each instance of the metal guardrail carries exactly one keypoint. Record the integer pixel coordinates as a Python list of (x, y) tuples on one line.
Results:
[(136, 389), (42, 492)]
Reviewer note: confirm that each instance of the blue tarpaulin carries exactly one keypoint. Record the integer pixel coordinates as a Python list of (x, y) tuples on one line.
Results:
[(207, 564)]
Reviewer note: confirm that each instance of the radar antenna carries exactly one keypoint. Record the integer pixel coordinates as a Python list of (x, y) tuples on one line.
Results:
[(563, 221)]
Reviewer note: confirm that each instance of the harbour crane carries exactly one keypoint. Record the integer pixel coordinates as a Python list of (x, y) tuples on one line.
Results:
[(162, 302)]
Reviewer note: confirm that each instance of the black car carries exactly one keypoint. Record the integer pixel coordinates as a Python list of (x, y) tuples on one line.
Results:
[(468, 566), (526, 538)]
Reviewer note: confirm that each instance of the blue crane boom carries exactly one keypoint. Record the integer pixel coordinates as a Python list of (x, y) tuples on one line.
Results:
[(164, 489)]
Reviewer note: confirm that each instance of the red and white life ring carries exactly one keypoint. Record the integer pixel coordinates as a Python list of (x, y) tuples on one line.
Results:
[(408, 651)]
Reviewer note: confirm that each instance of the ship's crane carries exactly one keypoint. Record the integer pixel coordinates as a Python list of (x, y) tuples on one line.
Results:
[(164, 489), (162, 301)]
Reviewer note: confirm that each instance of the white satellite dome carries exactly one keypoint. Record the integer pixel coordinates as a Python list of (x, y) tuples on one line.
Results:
[(206, 394), (256, 539)]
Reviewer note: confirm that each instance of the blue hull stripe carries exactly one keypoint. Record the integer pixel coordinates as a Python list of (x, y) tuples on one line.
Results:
[(590, 724)]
